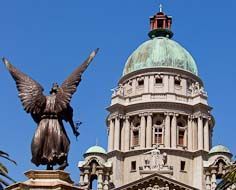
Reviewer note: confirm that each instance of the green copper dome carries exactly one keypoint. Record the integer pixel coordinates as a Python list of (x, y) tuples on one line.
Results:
[(96, 149), (219, 149), (160, 52)]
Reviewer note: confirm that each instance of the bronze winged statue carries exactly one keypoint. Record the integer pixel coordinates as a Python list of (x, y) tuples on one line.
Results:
[(50, 144)]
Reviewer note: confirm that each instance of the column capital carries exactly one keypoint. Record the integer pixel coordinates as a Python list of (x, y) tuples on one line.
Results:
[(168, 114), (149, 113), (190, 117), (142, 114), (120, 116), (213, 171), (175, 114), (127, 117)]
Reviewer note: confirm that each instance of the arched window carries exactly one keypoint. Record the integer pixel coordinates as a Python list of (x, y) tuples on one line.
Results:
[(93, 182), (135, 131), (93, 177), (182, 134)]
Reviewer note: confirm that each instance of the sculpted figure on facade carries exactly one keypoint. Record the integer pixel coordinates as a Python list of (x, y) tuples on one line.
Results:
[(154, 160), (50, 144), (197, 89)]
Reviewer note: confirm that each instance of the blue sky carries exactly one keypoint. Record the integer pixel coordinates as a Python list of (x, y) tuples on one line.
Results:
[(48, 39)]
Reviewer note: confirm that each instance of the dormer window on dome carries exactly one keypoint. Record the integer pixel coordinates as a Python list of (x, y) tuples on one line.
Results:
[(160, 25)]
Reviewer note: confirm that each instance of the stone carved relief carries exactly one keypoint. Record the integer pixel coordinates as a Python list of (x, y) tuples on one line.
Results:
[(157, 187), (118, 90), (154, 160), (196, 89)]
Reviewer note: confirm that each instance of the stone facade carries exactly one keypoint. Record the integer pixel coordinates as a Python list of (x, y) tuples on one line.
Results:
[(162, 111), (160, 125)]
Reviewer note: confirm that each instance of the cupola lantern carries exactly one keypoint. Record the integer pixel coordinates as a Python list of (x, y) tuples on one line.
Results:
[(160, 25)]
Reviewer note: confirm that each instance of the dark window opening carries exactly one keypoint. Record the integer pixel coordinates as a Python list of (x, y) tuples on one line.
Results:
[(180, 124), (158, 122), (135, 138), (133, 166), (159, 81), (181, 138), (141, 82), (182, 165), (177, 82), (93, 182), (160, 23)]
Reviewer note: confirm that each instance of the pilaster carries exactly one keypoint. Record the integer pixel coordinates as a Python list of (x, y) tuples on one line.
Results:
[(167, 130), (111, 135), (174, 131), (143, 130), (206, 136), (200, 133), (117, 134), (127, 134), (149, 131), (190, 133)]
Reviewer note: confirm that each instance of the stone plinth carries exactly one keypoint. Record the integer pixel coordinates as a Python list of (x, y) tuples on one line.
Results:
[(45, 179)]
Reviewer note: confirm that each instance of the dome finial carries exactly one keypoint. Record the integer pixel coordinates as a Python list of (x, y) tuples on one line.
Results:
[(160, 8)]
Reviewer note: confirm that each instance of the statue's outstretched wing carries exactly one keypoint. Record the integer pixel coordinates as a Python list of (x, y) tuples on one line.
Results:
[(69, 86), (30, 92)]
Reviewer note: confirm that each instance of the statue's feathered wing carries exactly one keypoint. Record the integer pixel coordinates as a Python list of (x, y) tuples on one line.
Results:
[(30, 92), (69, 86)]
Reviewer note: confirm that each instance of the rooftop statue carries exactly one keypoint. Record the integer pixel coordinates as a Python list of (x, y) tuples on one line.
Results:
[(50, 144)]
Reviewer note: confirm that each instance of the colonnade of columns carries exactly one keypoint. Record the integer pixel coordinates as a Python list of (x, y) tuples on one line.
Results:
[(211, 181), (103, 178), (196, 132)]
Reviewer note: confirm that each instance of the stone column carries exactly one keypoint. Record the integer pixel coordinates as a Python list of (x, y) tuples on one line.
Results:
[(146, 84), (167, 130), (173, 131), (206, 136), (86, 176), (208, 182), (190, 133), (127, 134), (213, 180), (200, 133), (142, 131), (111, 136), (195, 134), (81, 180), (117, 134), (100, 181), (122, 135), (149, 131), (106, 183)]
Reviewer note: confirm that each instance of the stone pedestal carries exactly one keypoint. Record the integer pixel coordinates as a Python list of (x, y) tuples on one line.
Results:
[(45, 179)]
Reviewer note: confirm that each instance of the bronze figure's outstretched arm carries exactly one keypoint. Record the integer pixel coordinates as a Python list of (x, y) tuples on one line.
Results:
[(69, 86)]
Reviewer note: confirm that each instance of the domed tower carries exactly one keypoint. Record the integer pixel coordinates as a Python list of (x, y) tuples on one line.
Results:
[(159, 119)]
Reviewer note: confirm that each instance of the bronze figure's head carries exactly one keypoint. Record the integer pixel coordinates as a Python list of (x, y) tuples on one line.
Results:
[(54, 88)]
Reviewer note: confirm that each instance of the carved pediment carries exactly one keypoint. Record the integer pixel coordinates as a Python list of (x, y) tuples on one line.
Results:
[(155, 181)]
